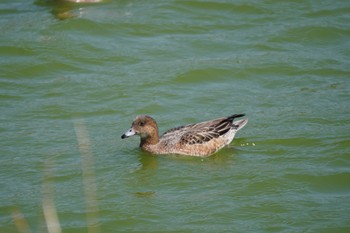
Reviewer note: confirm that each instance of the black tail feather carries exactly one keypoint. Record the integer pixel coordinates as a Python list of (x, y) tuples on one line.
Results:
[(226, 124), (235, 116)]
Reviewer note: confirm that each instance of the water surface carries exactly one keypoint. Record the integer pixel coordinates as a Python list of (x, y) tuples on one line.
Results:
[(74, 76)]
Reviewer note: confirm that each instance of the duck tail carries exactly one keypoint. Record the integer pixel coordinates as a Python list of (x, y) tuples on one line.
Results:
[(239, 124), (235, 116)]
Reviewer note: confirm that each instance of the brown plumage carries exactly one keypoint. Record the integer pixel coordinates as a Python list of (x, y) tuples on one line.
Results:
[(199, 139)]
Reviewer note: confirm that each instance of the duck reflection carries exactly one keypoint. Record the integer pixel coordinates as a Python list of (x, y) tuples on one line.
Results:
[(65, 9), (148, 161)]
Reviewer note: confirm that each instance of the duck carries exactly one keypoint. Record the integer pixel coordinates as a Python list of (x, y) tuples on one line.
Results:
[(199, 139)]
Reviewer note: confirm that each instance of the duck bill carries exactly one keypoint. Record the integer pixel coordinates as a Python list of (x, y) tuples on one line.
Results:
[(128, 133)]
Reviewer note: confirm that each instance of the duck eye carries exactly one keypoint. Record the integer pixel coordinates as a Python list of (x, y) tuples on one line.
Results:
[(142, 123)]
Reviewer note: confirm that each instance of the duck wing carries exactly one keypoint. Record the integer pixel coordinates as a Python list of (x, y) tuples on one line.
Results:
[(200, 133)]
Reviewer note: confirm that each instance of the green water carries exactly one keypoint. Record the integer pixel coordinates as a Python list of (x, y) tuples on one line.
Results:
[(74, 76)]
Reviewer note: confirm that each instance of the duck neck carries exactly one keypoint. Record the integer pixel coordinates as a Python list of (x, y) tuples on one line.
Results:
[(150, 139)]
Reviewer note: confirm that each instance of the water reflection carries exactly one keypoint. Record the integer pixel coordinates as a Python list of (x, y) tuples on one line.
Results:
[(65, 9), (148, 161)]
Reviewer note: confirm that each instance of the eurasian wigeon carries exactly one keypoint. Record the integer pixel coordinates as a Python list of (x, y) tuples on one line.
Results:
[(199, 139)]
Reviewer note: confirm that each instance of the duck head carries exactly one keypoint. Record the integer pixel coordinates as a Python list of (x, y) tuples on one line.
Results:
[(144, 126)]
